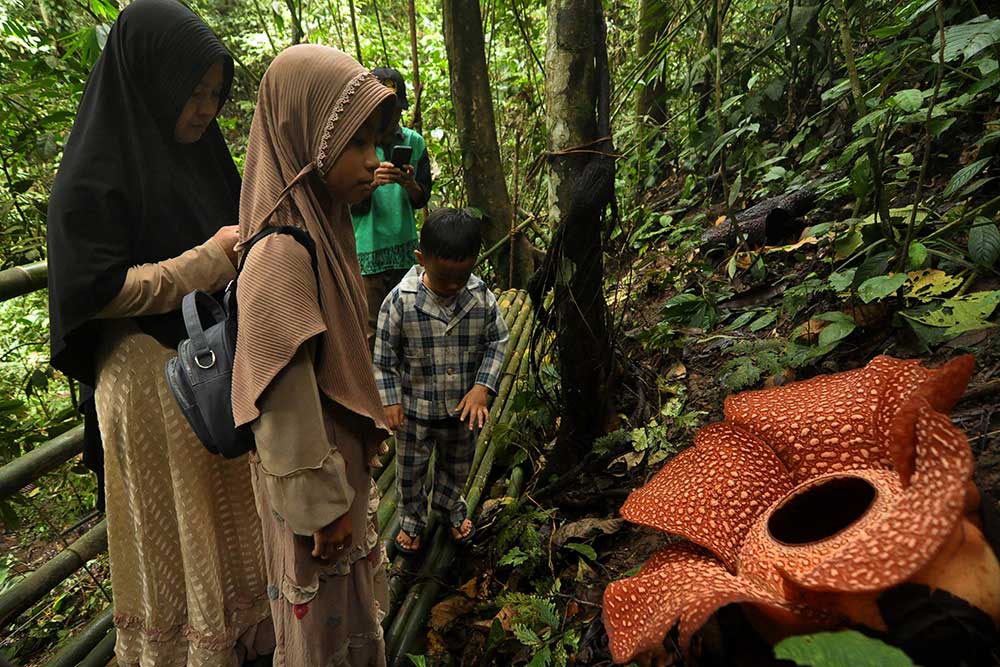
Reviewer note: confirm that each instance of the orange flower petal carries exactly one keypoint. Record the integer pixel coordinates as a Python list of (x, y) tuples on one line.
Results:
[(712, 492), (906, 537), (841, 421), (681, 583), (941, 390)]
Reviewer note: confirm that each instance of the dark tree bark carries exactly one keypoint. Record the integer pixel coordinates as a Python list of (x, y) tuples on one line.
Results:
[(417, 121), (581, 186), (650, 102), (477, 136)]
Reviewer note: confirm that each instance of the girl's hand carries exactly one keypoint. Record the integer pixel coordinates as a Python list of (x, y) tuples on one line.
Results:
[(330, 542)]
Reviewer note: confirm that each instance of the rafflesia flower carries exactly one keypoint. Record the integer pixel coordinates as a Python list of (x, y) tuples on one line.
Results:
[(806, 499)]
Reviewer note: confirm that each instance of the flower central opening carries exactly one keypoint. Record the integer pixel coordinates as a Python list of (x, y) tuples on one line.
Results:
[(821, 511)]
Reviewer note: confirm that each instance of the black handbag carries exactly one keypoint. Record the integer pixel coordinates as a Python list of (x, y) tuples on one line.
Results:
[(201, 375)]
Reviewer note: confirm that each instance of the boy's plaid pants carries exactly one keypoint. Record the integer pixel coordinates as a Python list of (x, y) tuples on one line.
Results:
[(456, 447)]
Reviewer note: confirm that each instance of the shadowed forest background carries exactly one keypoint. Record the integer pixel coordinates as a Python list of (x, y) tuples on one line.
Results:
[(798, 186)]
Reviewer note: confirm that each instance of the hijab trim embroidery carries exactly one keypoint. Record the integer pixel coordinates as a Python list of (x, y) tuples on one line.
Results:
[(338, 109)]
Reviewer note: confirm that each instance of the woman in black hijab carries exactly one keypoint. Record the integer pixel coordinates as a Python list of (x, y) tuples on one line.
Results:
[(143, 210)]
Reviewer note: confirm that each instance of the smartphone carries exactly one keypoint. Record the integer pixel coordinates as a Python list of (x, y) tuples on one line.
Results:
[(401, 156)]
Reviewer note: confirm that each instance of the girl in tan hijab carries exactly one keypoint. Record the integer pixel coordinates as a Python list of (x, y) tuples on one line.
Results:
[(302, 376)]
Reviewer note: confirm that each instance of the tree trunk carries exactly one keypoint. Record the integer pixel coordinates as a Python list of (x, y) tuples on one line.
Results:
[(581, 185), (650, 102), (477, 136), (417, 121)]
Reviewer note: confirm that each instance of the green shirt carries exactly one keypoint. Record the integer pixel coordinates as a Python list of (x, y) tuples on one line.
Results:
[(386, 234)]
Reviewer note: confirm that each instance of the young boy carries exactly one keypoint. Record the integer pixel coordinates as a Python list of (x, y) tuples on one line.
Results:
[(439, 349)]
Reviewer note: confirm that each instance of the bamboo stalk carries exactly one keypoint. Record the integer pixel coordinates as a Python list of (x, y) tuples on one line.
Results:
[(79, 646), (522, 332), (102, 653), (516, 483), (387, 477), (40, 583), (486, 465), (386, 507), (22, 280), (22, 470)]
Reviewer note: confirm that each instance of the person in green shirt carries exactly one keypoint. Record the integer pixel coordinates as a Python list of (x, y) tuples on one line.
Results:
[(385, 228)]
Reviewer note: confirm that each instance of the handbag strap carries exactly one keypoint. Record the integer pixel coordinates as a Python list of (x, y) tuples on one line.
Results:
[(190, 308), (300, 235)]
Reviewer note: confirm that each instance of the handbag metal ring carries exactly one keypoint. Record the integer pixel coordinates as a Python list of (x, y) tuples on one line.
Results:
[(210, 363)]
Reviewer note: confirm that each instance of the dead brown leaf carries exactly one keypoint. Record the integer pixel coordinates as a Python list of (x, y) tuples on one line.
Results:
[(586, 529)]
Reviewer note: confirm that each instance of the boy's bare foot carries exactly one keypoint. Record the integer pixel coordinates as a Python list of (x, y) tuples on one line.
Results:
[(462, 532), (408, 543)]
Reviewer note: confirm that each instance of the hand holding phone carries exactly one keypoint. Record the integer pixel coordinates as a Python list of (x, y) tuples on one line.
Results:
[(401, 156)]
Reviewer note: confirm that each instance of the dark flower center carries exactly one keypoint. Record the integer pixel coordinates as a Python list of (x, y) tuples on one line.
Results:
[(821, 511)]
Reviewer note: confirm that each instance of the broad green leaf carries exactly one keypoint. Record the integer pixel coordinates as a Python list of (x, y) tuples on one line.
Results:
[(967, 39), (9, 516), (775, 173), (836, 91), (742, 320), (930, 283), (908, 100), (917, 255), (963, 176), (984, 242), (861, 177), (841, 280), (939, 126), (847, 648), (417, 660), (846, 245), (585, 550), (876, 265), (973, 186), (880, 287), (959, 314), (765, 320), (840, 327), (496, 636), (871, 120)]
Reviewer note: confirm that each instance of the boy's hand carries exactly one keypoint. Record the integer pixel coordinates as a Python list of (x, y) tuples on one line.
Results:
[(394, 416), (331, 541), (473, 406)]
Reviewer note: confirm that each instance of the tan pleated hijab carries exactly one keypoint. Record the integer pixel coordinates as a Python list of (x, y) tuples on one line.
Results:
[(312, 100)]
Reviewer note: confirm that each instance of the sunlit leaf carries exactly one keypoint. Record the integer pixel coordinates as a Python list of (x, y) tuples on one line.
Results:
[(908, 100), (847, 648), (880, 287), (930, 283)]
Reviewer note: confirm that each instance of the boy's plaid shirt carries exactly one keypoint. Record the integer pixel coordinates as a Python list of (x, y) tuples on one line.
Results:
[(427, 360)]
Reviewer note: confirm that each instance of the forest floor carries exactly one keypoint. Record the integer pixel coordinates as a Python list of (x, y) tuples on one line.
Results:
[(688, 368)]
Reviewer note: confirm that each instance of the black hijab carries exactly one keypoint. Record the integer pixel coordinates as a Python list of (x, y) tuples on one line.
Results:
[(126, 192)]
